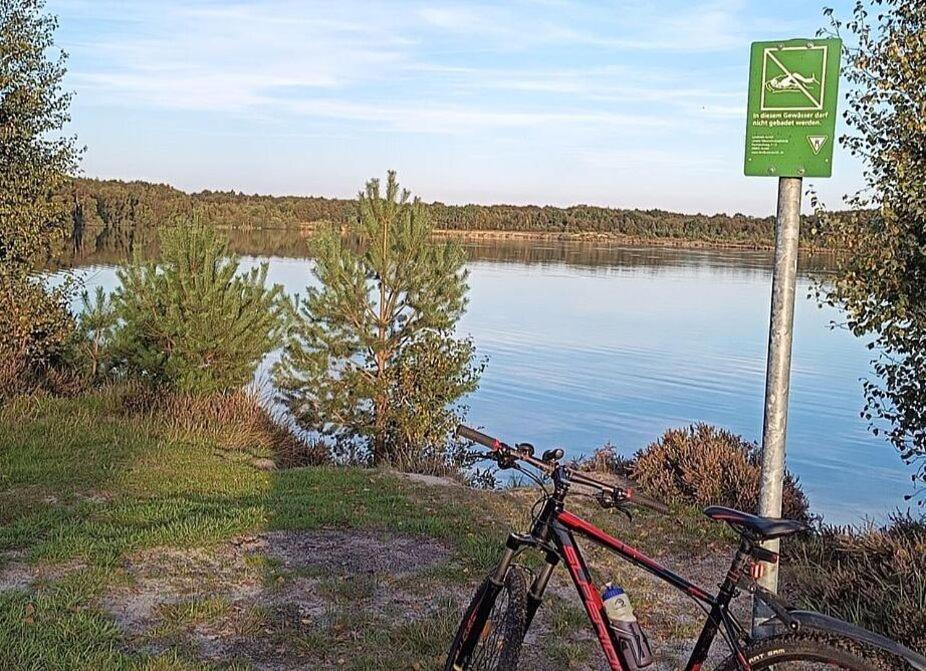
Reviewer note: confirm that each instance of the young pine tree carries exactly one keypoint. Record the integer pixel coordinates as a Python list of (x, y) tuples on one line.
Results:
[(96, 323), (372, 362), (191, 321)]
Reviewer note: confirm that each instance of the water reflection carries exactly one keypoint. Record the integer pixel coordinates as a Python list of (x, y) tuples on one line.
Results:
[(102, 246)]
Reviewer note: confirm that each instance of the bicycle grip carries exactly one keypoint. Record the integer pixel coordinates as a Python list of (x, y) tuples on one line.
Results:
[(478, 437)]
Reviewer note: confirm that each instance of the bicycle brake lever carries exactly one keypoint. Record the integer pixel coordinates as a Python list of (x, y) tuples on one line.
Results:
[(611, 503), (626, 511), (505, 460)]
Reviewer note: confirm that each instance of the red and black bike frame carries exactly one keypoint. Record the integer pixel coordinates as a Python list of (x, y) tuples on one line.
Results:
[(554, 532)]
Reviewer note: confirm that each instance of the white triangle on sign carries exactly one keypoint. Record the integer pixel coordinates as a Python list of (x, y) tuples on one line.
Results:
[(816, 142)]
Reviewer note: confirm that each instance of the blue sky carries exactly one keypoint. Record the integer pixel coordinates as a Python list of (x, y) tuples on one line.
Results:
[(624, 104)]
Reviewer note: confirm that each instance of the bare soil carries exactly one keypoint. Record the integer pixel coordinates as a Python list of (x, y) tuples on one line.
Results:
[(276, 600), (18, 574), (255, 597), (14, 574), (670, 620)]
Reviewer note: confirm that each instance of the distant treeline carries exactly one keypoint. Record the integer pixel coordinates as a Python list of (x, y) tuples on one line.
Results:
[(113, 215)]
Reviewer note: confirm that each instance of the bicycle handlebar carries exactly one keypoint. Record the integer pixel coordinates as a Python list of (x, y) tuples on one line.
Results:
[(481, 438), (498, 446), (625, 493)]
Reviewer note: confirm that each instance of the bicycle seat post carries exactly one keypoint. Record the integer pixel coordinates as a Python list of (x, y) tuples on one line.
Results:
[(729, 585), (718, 612)]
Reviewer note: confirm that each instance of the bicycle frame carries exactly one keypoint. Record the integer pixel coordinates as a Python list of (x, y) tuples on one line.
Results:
[(554, 532)]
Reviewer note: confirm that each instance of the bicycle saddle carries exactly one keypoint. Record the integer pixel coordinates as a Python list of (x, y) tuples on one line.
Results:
[(755, 527)]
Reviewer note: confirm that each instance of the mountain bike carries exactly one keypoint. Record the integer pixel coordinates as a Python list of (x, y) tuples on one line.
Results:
[(493, 627)]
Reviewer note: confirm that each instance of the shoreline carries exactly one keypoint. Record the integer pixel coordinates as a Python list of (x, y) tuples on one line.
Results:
[(305, 229), (619, 239), (611, 238), (575, 236)]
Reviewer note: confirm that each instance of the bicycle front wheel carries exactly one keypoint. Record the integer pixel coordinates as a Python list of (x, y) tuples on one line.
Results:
[(803, 652), (490, 635)]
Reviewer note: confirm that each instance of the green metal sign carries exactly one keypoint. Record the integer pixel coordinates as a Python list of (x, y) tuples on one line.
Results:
[(791, 115)]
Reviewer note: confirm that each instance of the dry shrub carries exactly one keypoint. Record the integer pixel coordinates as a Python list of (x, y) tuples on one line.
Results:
[(235, 421), (875, 577), (14, 374), (704, 465), (452, 460), (17, 378), (603, 460), (426, 463)]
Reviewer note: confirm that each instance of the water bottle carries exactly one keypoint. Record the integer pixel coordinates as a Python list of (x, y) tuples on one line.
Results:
[(627, 631)]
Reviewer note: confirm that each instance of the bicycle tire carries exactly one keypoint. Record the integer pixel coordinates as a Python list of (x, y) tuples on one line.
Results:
[(811, 650), (501, 632)]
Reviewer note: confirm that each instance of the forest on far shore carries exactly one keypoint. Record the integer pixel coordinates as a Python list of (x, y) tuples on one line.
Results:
[(113, 213)]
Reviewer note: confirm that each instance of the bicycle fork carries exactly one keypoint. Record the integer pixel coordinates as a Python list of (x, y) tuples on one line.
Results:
[(513, 545)]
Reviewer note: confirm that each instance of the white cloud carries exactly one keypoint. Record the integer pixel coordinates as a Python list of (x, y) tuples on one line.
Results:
[(231, 57), (239, 57), (533, 95), (262, 59), (692, 27)]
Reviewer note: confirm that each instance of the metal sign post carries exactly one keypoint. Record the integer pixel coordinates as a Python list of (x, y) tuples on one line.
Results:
[(778, 367), (791, 121)]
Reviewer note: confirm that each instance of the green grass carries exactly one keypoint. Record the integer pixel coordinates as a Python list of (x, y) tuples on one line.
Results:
[(86, 486)]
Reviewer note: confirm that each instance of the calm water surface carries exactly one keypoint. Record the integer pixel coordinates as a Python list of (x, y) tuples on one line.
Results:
[(589, 344)]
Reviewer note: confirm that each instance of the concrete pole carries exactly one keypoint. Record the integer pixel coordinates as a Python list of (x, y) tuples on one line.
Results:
[(778, 368)]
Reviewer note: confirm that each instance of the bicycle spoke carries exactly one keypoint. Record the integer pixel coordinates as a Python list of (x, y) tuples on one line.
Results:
[(488, 647)]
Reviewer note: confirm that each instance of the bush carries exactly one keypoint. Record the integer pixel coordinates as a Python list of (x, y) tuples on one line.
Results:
[(191, 322), (875, 577), (426, 386), (36, 336), (878, 280), (603, 460), (704, 465), (35, 159), (96, 324)]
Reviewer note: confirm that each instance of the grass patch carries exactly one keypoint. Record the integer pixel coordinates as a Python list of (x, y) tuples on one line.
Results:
[(175, 618), (875, 576), (88, 485)]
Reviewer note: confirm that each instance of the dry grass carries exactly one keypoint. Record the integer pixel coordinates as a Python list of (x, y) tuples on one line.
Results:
[(18, 378), (874, 576), (13, 373), (603, 460), (236, 421)]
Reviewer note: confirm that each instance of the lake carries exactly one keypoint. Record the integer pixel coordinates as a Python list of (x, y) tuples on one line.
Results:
[(594, 343)]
